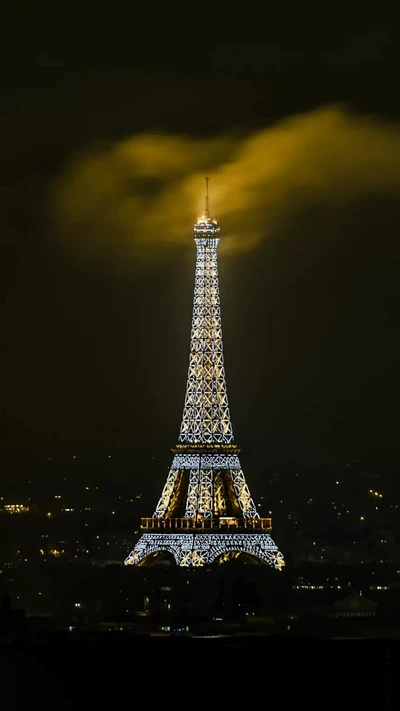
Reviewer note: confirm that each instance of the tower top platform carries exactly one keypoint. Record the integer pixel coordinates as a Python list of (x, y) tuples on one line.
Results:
[(206, 227)]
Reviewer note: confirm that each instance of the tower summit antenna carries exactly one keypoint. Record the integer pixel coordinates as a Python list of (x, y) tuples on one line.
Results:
[(206, 211)]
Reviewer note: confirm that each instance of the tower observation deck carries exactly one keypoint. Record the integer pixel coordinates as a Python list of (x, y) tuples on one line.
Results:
[(205, 512)]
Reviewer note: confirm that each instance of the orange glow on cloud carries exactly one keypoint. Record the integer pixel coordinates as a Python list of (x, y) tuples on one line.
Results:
[(123, 200)]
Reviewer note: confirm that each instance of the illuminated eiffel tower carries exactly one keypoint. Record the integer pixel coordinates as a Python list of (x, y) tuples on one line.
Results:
[(206, 512)]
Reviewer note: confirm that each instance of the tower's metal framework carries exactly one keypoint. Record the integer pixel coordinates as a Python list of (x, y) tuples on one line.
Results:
[(206, 512)]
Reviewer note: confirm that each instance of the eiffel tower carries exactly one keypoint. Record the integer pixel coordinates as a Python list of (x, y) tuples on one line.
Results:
[(206, 513)]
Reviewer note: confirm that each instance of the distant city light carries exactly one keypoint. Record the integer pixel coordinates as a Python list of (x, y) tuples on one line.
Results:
[(16, 508)]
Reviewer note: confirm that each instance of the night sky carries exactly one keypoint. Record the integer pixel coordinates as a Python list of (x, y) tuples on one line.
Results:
[(109, 125)]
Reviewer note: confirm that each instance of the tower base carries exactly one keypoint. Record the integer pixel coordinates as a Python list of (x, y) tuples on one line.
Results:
[(197, 549)]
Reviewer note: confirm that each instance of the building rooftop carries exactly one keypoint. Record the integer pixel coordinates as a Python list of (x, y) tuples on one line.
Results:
[(355, 603)]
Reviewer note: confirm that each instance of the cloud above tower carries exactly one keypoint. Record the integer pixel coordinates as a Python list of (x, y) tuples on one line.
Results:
[(122, 201)]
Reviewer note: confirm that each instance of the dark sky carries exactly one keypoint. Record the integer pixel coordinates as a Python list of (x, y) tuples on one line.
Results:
[(97, 356)]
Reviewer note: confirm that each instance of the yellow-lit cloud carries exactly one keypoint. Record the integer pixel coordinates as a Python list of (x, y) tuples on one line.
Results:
[(126, 199)]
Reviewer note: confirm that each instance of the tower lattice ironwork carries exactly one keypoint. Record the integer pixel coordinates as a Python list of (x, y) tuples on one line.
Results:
[(206, 512)]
